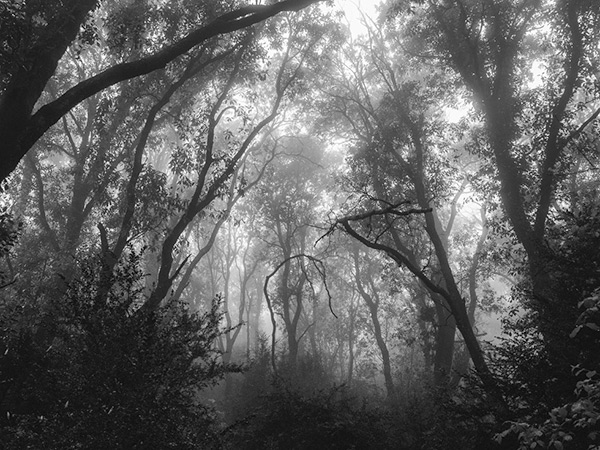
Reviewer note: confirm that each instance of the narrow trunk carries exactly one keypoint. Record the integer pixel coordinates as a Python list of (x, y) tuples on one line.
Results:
[(373, 306), (444, 342), (351, 344)]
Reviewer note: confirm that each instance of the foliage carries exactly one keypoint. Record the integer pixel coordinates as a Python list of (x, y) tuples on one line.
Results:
[(113, 376), (9, 234), (443, 419), (522, 365), (554, 401), (576, 240), (286, 416), (590, 315), (573, 425)]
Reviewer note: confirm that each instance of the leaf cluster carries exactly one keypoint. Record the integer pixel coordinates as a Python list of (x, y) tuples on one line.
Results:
[(570, 426)]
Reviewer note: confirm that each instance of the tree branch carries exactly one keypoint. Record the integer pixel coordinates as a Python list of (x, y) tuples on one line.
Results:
[(28, 129)]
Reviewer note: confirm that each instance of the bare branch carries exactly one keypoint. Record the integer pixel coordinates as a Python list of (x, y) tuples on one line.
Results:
[(392, 209)]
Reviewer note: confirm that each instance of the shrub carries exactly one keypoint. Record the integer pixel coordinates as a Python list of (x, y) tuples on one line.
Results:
[(327, 419), (113, 376), (571, 426)]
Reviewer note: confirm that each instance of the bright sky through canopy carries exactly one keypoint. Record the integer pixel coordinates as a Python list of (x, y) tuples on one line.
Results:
[(354, 11)]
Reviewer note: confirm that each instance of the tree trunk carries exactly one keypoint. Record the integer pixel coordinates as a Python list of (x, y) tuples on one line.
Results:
[(373, 306), (444, 342)]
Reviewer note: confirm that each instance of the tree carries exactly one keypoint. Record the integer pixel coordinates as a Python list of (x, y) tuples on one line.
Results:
[(532, 131), (289, 197), (221, 156), (402, 158), (52, 27), (231, 260), (373, 302)]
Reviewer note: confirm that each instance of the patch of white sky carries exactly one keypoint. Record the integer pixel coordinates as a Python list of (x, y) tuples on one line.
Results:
[(356, 12)]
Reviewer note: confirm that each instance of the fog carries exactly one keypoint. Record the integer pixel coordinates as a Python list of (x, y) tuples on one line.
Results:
[(299, 224)]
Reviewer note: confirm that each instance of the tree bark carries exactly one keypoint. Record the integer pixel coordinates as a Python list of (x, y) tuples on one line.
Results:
[(444, 342)]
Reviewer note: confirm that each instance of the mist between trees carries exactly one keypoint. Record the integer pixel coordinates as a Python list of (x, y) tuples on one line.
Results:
[(247, 226)]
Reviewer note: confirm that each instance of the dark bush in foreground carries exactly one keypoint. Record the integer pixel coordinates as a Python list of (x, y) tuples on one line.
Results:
[(329, 419), (111, 377)]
